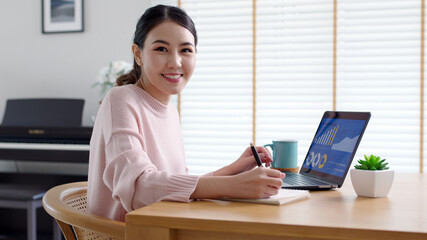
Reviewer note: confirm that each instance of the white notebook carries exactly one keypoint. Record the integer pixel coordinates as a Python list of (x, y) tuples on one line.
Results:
[(284, 196)]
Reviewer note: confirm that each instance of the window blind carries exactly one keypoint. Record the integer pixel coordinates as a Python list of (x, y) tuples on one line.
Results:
[(423, 166), (294, 69), (216, 105), (378, 70)]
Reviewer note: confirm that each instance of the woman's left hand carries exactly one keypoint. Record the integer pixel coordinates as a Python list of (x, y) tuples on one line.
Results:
[(246, 162)]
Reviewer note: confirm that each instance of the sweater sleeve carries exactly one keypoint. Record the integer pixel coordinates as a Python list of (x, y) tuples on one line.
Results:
[(135, 181), (131, 175)]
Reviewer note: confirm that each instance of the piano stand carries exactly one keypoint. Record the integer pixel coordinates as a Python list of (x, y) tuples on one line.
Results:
[(29, 198)]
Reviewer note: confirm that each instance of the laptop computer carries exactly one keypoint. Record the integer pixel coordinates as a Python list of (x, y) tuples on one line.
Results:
[(331, 151)]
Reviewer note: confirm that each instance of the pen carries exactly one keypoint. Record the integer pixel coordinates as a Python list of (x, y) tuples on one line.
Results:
[(255, 153)]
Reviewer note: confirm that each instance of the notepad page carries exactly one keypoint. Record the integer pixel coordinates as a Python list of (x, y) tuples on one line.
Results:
[(284, 196)]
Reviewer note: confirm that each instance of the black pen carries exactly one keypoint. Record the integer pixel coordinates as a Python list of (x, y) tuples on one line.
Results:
[(256, 156)]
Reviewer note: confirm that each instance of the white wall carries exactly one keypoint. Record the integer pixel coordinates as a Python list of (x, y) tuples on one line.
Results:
[(34, 65), (62, 65)]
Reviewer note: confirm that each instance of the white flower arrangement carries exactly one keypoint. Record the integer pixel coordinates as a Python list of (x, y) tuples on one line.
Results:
[(107, 75)]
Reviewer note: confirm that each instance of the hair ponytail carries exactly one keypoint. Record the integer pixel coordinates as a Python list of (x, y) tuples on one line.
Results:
[(131, 77)]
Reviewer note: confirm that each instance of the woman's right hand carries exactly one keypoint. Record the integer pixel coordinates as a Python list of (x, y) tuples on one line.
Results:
[(259, 182), (256, 183)]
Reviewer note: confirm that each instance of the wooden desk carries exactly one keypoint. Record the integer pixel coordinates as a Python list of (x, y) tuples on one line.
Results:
[(335, 214)]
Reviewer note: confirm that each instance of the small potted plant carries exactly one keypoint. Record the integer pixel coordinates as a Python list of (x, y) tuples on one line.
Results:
[(372, 177)]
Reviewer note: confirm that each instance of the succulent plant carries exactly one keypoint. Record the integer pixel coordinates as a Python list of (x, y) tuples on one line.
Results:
[(372, 163)]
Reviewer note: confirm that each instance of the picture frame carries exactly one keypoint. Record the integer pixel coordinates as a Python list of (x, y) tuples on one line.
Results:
[(62, 16)]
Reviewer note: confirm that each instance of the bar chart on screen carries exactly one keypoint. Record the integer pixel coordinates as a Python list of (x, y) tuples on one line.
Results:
[(327, 138)]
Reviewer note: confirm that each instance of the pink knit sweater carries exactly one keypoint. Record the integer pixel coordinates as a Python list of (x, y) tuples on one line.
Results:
[(136, 155)]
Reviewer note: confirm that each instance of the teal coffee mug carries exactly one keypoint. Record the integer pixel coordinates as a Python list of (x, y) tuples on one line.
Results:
[(285, 154)]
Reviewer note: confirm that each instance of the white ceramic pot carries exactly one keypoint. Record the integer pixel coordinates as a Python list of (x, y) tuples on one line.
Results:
[(369, 183)]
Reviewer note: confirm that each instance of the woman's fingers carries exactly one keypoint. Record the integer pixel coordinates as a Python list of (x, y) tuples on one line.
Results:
[(261, 149), (276, 173)]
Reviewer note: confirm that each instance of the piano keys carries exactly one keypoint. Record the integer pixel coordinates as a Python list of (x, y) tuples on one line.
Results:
[(44, 146), (47, 144)]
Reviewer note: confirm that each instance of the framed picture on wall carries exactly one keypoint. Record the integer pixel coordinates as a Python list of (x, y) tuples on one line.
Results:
[(62, 16)]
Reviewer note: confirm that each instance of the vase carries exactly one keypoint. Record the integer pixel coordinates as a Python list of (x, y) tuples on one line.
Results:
[(372, 183)]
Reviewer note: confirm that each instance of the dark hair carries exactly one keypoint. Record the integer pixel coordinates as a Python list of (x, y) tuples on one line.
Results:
[(151, 18)]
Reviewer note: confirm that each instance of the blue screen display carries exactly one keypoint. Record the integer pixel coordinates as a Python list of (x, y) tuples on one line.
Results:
[(333, 145)]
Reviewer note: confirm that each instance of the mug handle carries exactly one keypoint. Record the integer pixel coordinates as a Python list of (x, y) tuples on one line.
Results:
[(272, 149), (271, 146)]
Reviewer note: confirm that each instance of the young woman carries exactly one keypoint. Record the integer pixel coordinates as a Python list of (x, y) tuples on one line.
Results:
[(137, 151)]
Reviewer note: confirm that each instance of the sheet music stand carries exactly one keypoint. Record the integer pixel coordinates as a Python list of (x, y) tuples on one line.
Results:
[(43, 112)]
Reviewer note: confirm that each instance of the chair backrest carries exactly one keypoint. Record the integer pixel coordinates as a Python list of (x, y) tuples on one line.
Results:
[(67, 204)]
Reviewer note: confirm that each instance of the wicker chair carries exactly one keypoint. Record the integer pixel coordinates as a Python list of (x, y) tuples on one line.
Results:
[(67, 204)]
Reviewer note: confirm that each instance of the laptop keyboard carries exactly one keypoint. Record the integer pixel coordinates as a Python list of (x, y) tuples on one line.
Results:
[(301, 180)]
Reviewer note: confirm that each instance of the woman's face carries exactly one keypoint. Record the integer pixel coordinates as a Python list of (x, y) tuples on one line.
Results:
[(167, 60)]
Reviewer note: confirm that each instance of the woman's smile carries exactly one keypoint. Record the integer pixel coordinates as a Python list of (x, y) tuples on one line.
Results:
[(173, 77)]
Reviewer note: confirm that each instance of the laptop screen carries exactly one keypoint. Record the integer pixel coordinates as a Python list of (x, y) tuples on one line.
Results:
[(334, 144)]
